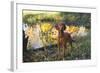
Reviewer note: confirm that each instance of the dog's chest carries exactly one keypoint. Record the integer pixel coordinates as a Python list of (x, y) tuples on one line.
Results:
[(61, 39)]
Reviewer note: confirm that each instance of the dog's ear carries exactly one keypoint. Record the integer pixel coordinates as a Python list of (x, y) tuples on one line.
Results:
[(56, 26), (64, 26)]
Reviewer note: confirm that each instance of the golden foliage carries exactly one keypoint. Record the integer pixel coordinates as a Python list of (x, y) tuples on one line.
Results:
[(29, 32), (45, 27), (72, 29)]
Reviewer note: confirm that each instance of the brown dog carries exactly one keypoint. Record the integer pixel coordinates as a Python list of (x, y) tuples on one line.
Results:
[(63, 38)]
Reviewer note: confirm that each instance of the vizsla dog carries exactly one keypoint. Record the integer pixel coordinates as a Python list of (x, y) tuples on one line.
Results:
[(63, 38)]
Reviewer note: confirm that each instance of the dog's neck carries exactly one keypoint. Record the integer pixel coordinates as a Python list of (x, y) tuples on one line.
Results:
[(61, 33)]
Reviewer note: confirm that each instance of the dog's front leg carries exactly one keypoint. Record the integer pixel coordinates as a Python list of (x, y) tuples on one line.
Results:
[(63, 49), (58, 49)]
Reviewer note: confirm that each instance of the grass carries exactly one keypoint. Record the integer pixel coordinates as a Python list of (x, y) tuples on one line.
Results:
[(81, 51)]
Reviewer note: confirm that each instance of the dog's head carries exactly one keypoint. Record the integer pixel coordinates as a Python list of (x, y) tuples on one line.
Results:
[(60, 26)]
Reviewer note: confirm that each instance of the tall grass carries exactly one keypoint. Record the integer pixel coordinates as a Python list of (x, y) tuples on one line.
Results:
[(81, 50)]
